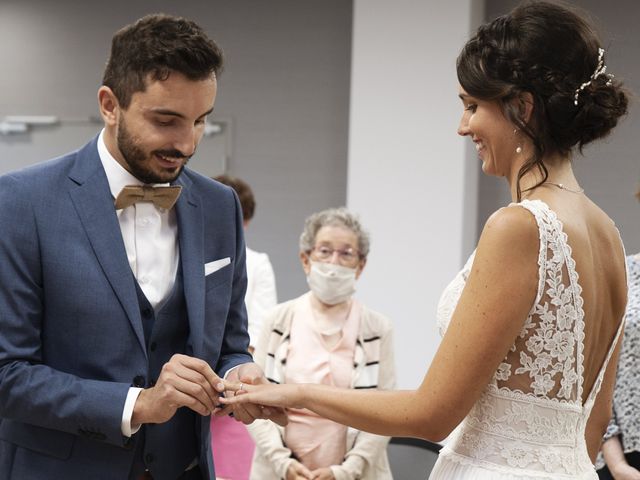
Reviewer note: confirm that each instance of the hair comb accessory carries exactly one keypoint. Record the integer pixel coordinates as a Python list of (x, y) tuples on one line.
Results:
[(601, 69)]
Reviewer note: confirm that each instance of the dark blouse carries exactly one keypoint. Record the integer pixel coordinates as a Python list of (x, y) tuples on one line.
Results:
[(626, 399)]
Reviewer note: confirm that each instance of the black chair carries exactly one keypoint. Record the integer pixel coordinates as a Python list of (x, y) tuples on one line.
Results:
[(412, 458)]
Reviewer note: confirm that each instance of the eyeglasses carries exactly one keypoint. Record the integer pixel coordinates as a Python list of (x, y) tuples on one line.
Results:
[(346, 257)]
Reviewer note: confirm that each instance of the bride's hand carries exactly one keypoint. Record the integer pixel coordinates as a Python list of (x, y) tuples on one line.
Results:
[(284, 395)]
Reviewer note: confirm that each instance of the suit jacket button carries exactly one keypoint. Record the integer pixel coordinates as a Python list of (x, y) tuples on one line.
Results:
[(139, 381), (153, 346), (146, 312), (149, 458)]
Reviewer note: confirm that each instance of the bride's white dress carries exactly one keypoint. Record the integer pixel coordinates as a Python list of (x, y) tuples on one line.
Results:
[(530, 422)]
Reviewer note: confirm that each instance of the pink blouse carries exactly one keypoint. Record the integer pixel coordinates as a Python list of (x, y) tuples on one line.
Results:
[(317, 442)]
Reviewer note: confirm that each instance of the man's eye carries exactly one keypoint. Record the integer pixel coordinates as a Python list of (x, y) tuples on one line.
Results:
[(471, 107)]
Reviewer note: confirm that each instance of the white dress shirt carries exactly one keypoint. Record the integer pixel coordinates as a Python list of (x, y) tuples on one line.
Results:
[(150, 236)]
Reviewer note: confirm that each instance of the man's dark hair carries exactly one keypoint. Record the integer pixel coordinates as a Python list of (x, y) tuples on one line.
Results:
[(157, 45)]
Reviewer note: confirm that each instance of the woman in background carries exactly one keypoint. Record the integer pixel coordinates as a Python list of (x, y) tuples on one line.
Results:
[(621, 448), (326, 337), (526, 367)]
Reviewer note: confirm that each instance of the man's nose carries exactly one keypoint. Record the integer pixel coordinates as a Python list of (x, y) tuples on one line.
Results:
[(187, 141)]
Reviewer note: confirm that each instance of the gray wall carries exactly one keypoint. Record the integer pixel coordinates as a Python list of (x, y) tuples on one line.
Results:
[(609, 171), (286, 92), (285, 89)]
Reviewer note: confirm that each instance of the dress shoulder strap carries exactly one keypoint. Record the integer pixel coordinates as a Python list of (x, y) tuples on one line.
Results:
[(544, 220)]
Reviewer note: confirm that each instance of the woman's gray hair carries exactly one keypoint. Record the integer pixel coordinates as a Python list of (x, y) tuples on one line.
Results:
[(340, 217)]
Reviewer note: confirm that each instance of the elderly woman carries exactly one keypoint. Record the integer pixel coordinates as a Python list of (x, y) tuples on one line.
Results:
[(326, 337)]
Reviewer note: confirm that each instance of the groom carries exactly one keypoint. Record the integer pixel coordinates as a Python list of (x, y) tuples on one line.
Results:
[(122, 280)]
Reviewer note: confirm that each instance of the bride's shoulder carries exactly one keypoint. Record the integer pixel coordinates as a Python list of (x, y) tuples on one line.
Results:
[(509, 243), (511, 223)]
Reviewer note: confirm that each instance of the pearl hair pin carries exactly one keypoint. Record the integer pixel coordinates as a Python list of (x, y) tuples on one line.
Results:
[(601, 69)]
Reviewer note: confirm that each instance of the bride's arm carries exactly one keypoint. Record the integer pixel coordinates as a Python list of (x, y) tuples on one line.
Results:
[(496, 300)]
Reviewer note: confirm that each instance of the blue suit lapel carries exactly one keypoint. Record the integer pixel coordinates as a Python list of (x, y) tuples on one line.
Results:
[(93, 201), (191, 238)]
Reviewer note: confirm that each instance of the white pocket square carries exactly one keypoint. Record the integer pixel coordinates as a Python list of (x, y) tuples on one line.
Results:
[(216, 265)]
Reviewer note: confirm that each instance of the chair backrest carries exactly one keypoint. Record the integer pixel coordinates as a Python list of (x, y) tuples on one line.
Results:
[(411, 458)]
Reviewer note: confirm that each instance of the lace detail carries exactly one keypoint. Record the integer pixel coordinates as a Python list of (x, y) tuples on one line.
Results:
[(549, 350), (530, 419)]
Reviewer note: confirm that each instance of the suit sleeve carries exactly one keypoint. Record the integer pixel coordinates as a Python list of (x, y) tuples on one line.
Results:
[(32, 394), (235, 343)]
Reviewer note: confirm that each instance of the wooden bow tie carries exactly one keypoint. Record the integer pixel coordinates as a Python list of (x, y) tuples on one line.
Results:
[(162, 197)]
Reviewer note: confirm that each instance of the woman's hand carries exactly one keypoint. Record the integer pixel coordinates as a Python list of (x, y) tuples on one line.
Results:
[(284, 395), (616, 461), (625, 472), (322, 474), (250, 374), (297, 471)]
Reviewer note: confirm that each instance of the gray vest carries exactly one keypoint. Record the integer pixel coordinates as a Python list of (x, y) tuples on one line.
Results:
[(165, 449)]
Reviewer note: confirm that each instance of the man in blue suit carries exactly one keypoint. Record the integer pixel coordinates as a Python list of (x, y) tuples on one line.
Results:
[(122, 281)]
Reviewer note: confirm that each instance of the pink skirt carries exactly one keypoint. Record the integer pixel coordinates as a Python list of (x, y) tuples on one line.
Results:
[(232, 449)]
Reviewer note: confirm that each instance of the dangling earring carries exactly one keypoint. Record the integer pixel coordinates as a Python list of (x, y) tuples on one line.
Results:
[(518, 148)]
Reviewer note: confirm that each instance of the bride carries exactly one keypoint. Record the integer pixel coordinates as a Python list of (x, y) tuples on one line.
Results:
[(526, 367)]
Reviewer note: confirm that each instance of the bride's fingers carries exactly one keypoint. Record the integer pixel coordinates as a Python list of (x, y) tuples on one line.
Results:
[(233, 386), (241, 396)]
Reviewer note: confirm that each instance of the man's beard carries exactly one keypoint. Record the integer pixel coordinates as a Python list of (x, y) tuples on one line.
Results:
[(137, 159)]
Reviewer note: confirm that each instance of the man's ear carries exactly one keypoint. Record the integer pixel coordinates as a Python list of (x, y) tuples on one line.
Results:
[(108, 105)]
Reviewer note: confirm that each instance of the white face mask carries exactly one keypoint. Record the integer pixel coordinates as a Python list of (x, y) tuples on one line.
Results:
[(331, 283)]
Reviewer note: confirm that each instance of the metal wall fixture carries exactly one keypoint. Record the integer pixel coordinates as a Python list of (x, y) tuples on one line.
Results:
[(16, 124)]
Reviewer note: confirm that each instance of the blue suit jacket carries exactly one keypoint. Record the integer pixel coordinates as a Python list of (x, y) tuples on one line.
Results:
[(71, 336)]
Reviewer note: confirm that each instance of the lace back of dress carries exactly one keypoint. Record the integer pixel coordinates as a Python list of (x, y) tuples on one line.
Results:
[(547, 357)]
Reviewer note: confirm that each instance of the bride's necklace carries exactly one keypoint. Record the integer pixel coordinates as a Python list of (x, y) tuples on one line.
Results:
[(561, 186)]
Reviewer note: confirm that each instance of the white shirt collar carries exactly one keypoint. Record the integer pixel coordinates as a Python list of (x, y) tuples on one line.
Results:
[(117, 176)]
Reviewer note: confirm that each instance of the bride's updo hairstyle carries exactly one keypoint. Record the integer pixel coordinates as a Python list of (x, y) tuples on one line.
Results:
[(552, 53)]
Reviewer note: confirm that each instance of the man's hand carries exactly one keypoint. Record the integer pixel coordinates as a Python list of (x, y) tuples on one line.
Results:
[(297, 471), (183, 382), (252, 374)]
